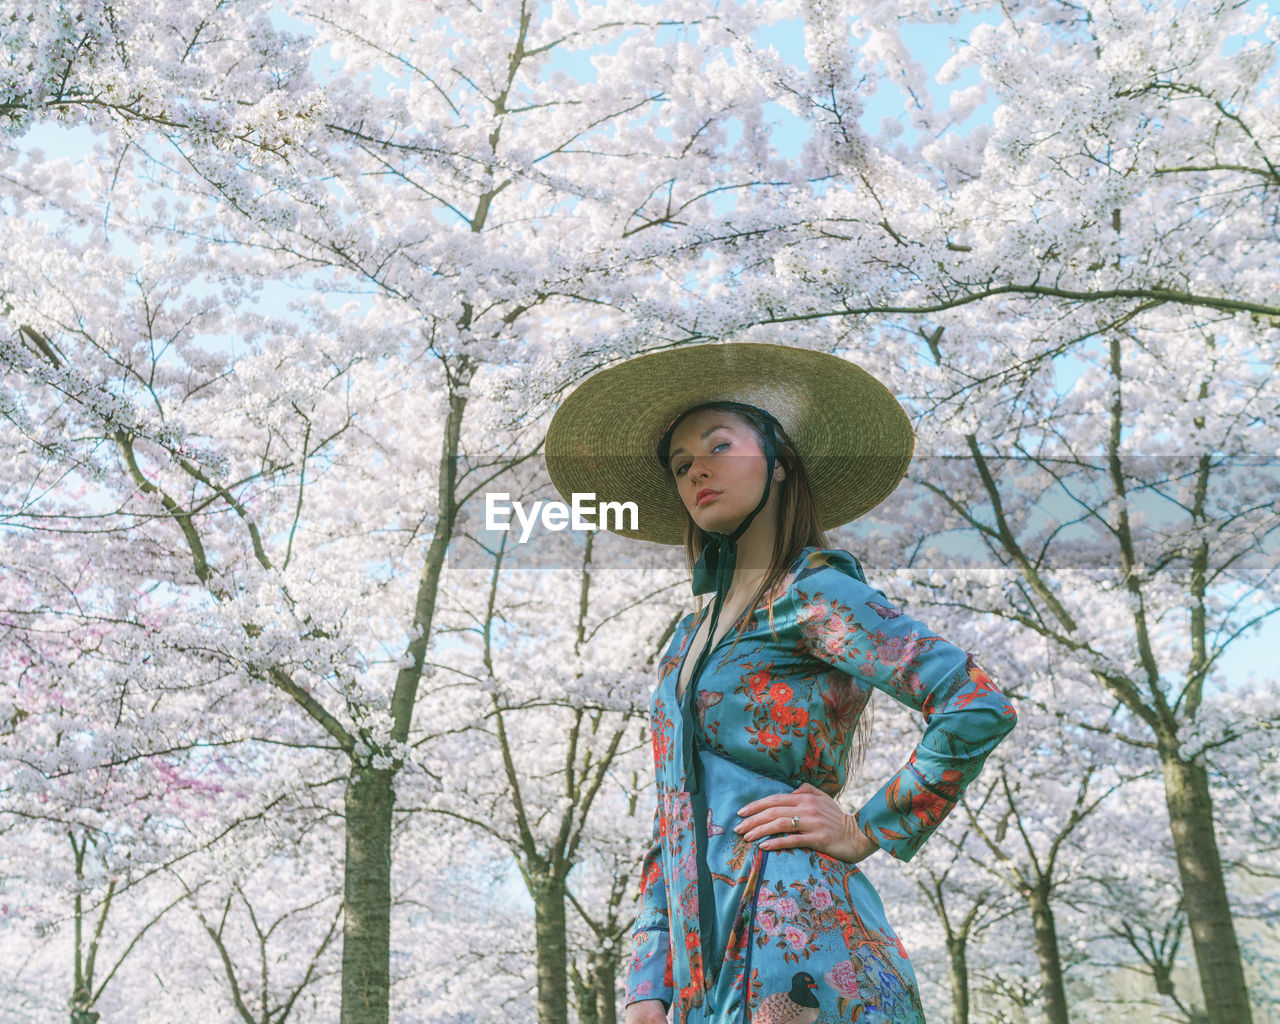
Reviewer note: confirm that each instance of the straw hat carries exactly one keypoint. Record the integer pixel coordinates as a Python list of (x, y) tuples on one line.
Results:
[(854, 438)]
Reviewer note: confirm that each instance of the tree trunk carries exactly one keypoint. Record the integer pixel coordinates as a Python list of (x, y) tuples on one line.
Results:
[(606, 986), (1046, 932), (1204, 892), (957, 957), (366, 925), (82, 1011), (549, 932), (584, 994)]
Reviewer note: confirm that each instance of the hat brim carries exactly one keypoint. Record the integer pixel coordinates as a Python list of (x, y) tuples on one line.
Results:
[(853, 437)]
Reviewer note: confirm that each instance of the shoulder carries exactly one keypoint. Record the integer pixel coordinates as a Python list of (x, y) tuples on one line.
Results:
[(680, 635), (827, 580), (682, 628), (827, 564)]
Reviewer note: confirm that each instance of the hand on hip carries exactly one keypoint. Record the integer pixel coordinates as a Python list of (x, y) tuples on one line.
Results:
[(806, 817)]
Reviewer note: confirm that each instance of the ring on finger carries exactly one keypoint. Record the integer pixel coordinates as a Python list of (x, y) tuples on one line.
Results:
[(795, 824)]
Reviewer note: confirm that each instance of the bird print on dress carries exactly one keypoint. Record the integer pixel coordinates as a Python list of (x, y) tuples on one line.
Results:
[(799, 1006)]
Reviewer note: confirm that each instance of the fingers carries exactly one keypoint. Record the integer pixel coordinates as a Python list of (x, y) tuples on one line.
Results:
[(787, 842), (772, 815), (764, 823), (821, 821)]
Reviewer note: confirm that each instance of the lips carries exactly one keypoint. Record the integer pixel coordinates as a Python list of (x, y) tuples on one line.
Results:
[(704, 495)]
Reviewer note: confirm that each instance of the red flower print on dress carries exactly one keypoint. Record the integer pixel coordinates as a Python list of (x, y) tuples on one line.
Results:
[(659, 746), (780, 693), (785, 715), (929, 808), (660, 726), (949, 786), (758, 682), (769, 739)]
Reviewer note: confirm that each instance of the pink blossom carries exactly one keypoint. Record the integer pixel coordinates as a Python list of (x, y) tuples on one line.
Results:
[(891, 650), (843, 977)]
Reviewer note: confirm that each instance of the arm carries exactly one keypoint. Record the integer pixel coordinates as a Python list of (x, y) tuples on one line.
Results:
[(853, 627), (649, 983)]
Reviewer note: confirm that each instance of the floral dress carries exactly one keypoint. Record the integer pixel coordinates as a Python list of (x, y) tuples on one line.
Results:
[(732, 934)]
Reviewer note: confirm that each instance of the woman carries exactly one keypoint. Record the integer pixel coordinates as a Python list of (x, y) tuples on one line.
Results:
[(753, 908)]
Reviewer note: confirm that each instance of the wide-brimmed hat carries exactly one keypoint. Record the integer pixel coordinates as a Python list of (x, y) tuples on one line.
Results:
[(853, 437)]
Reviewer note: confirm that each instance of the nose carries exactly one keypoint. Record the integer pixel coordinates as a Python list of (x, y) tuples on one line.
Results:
[(697, 469)]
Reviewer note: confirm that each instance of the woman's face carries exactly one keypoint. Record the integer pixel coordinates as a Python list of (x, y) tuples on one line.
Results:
[(718, 466)]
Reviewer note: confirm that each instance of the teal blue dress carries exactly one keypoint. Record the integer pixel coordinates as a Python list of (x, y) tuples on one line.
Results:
[(728, 933)]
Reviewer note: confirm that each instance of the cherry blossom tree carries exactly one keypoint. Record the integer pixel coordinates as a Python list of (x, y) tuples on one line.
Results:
[(475, 205), (561, 643), (1129, 237), (1041, 807), (271, 924), (91, 785), (417, 196)]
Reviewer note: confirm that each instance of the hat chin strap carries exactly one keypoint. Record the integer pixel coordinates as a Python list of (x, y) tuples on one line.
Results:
[(723, 549), (714, 572)]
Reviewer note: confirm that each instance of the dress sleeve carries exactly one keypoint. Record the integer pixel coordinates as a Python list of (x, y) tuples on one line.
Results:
[(853, 627), (649, 972)]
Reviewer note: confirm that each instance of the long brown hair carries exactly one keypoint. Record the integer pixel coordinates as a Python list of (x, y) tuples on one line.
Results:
[(798, 528)]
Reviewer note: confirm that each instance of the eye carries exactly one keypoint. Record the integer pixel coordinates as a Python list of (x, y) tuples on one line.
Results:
[(681, 468)]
